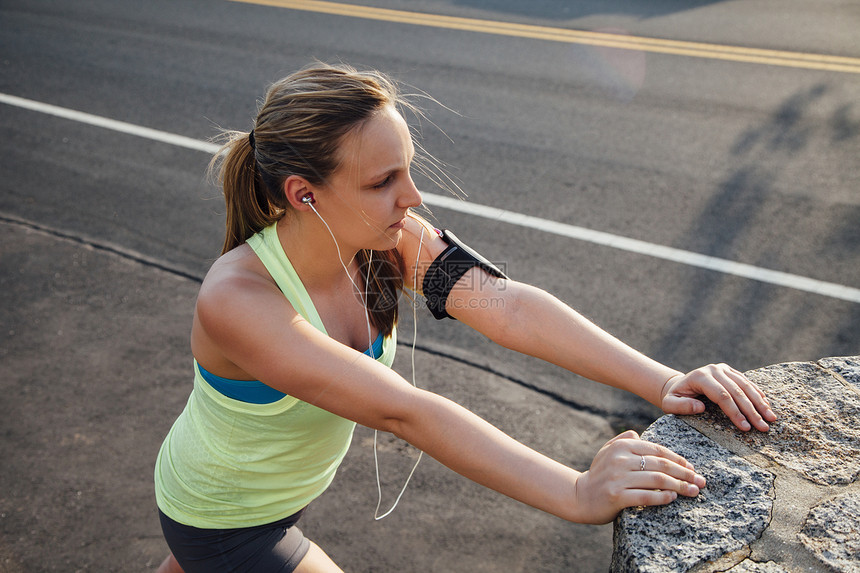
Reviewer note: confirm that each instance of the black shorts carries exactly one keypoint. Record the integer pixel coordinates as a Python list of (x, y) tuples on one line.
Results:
[(274, 547)]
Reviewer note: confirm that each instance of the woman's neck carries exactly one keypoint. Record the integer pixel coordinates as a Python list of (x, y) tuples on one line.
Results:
[(313, 253)]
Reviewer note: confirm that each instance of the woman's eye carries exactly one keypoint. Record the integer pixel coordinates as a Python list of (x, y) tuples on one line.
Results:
[(383, 183)]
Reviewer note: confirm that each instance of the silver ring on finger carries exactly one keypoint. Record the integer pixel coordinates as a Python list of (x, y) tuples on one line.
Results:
[(642, 463)]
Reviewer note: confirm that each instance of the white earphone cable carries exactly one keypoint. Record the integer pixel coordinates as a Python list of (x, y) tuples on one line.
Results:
[(376, 515), (349, 276)]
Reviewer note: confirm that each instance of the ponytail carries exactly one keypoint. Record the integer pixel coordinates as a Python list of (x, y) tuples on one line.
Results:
[(250, 208)]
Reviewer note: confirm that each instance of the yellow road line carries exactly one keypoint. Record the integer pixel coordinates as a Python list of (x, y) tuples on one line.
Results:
[(656, 45)]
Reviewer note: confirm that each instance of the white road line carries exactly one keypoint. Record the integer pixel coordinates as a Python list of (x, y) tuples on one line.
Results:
[(797, 282), (112, 124)]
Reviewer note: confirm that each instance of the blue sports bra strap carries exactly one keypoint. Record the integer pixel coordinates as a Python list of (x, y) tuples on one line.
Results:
[(448, 268)]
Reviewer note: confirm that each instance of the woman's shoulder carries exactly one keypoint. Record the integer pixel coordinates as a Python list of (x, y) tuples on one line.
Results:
[(236, 264), (236, 277), (236, 306)]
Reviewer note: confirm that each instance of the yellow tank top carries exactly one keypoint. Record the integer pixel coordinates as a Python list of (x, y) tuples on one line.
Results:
[(228, 464)]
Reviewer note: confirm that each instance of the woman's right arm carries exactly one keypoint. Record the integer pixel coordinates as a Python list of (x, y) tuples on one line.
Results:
[(252, 325)]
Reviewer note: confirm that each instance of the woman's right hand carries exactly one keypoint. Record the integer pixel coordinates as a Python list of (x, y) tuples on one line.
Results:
[(617, 479)]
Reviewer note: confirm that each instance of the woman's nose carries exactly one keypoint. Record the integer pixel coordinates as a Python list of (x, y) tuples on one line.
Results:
[(411, 196)]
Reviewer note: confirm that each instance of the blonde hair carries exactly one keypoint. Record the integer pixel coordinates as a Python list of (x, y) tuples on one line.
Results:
[(299, 129)]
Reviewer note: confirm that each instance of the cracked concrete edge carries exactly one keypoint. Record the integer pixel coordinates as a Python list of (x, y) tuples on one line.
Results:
[(735, 558), (832, 532), (779, 547), (750, 566), (636, 526), (728, 561), (836, 367)]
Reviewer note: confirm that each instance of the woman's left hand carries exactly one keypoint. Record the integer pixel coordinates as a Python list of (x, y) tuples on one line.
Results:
[(740, 399)]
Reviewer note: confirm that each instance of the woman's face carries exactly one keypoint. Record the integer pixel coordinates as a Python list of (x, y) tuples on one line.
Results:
[(367, 197)]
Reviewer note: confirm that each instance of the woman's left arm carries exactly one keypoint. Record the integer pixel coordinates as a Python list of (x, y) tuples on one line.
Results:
[(529, 320)]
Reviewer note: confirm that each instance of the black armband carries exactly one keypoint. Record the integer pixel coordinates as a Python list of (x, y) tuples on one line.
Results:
[(447, 269)]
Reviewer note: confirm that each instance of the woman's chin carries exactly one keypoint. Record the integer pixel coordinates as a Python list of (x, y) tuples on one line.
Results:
[(387, 240)]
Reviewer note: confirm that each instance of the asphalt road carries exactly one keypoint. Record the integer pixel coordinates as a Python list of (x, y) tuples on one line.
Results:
[(748, 162), (751, 162)]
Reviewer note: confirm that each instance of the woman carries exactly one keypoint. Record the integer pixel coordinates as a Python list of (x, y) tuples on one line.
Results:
[(294, 335)]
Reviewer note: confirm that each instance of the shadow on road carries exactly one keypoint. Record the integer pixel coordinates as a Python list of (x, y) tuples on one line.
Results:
[(756, 191)]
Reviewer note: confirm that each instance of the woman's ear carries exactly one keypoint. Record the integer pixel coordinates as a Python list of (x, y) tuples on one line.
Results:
[(299, 193)]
